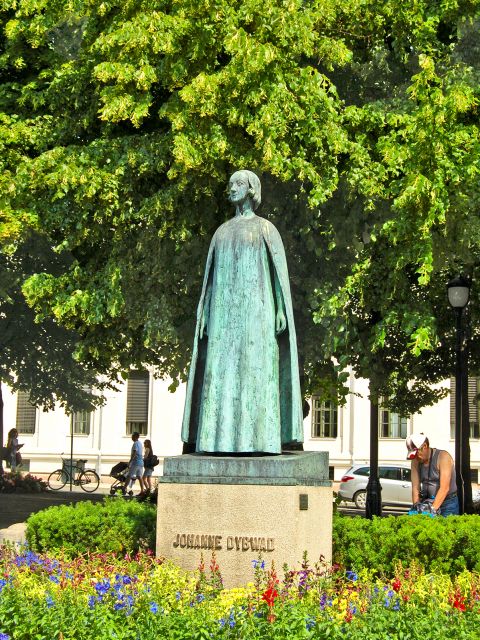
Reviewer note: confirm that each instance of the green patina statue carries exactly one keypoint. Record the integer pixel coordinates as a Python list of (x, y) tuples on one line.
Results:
[(243, 392)]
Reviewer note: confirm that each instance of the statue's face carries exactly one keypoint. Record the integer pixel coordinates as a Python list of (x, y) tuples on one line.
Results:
[(238, 188)]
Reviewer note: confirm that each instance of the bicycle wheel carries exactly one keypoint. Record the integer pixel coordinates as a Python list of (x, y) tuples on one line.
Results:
[(89, 480), (58, 479)]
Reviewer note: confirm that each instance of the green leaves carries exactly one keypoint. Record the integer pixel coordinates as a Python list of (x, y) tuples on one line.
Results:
[(120, 123)]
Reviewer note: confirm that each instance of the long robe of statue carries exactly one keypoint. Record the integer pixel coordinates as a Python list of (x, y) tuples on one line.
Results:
[(243, 391)]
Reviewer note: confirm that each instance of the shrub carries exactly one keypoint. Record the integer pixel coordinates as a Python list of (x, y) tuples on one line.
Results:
[(16, 481), (448, 545), (123, 526)]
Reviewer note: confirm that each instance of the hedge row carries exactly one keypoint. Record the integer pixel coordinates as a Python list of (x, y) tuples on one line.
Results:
[(123, 526), (447, 545)]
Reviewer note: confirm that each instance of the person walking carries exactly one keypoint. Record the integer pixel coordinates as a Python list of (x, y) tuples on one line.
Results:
[(135, 467), (148, 464), (433, 477), (13, 448)]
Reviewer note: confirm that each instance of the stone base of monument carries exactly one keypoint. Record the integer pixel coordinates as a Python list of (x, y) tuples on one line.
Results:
[(244, 508)]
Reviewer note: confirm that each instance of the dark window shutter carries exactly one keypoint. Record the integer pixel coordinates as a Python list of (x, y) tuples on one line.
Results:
[(26, 413), (137, 396)]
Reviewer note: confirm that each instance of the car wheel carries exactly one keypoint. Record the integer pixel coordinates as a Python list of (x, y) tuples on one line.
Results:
[(360, 499)]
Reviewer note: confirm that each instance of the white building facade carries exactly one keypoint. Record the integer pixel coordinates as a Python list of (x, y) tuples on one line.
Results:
[(145, 404)]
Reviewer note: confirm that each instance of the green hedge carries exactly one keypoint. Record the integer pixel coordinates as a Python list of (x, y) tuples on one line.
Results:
[(447, 545), (123, 526)]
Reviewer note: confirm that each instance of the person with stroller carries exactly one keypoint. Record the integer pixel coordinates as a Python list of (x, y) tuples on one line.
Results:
[(135, 466), (148, 464)]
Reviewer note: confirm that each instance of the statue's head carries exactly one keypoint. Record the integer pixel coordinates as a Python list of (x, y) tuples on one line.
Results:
[(253, 183)]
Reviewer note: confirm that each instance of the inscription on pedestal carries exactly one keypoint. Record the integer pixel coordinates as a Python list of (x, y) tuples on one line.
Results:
[(217, 542)]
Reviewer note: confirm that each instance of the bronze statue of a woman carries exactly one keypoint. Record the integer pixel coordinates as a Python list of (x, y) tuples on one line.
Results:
[(243, 391)]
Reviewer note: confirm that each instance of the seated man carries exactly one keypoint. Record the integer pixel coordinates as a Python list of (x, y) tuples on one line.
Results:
[(433, 476)]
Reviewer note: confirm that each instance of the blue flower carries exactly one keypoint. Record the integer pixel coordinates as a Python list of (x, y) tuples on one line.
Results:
[(68, 575), (91, 602), (50, 602), (3, 584), (178, 595), (102, 587), (396, 606), (351, 575), (4, 636), (258, 563), (54, 578), (231, 619), (127, 580), (154, 607), (222, 622), (200, 597), (309, 622)]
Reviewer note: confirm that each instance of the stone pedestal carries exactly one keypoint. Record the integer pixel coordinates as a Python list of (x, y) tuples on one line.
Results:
[(275, 507)]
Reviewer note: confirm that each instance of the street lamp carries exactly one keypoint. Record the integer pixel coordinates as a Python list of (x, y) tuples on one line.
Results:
[(373, 505), (458, 296)]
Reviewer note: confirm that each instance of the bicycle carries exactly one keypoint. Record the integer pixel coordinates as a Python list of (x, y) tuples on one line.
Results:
[(76, 473)]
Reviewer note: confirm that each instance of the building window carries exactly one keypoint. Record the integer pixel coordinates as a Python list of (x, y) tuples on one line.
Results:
[(324, 418), (390, 424), (81, 423), (137, 402), (26, 413), (473, 398)]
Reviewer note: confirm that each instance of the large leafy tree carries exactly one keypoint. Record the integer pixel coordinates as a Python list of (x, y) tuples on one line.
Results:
[(38, 355), (121, 122)]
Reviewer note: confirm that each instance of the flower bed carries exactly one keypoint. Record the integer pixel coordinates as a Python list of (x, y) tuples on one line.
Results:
[(23, 483), (142, 598)]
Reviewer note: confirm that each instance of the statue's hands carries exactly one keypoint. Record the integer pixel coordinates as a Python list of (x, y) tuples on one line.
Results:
[(280, 322)]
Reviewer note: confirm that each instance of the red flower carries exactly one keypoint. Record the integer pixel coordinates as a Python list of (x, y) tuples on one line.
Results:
[(458, 604), (396, 584), (269, 596)]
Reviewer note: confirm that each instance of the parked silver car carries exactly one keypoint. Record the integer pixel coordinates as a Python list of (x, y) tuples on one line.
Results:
[(395, 481)]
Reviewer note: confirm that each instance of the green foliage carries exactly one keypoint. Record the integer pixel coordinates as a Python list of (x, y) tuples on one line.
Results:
[(123, 526), (447, 545), (120, 123), (38, 355)]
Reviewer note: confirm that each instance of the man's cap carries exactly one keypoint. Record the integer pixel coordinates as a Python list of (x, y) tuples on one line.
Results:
[(414, 442)]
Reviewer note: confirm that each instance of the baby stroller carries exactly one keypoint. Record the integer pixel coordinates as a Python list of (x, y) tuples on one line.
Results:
[(119, 472)]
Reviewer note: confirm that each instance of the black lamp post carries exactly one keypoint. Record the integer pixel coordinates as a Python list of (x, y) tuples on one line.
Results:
[(458, 296), (373, 505)]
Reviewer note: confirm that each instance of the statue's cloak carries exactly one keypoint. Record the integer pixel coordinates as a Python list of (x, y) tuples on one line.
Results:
[(243, 392)]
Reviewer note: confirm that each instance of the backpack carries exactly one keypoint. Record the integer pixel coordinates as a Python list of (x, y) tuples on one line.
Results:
[(151, 462)]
